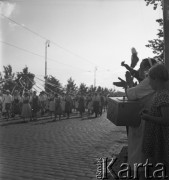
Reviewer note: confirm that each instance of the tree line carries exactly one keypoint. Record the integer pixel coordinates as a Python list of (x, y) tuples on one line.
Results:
[(25, 80)]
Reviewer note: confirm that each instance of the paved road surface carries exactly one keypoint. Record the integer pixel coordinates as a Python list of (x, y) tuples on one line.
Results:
[(62, 150)]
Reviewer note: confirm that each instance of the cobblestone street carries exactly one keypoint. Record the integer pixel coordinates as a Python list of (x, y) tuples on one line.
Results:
[(66, 149)]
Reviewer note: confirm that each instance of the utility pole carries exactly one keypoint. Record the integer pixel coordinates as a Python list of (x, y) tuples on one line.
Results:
[(46, 46), (95, 69), (166, 31)]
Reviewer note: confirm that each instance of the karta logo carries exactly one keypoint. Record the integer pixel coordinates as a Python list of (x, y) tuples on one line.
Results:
[(124, 171)]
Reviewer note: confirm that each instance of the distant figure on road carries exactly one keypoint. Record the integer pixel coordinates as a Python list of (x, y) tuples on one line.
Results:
[(35, 105), (51, 105), (96, 104), (26, 108), (58, 107), (16, 99), (89, 105), (68, 103), (81, 107), (6, 102)]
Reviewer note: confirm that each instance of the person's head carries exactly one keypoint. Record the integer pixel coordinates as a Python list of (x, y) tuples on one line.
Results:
[(7, 92), (15, 93), (158, 76), (145, 65), (26, 94)]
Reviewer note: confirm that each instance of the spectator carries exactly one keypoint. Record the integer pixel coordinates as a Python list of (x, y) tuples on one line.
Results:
[(156, 133), (143, 92)]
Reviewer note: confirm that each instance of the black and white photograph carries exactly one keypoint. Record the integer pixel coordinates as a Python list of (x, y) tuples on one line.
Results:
[(84, 89)]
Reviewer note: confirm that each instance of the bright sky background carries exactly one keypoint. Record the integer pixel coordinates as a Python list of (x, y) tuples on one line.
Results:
[(83, 34)]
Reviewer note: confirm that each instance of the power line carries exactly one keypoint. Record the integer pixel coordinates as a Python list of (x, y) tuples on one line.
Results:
[(42, 37), (54, 85), (21, 48), (30, 52)]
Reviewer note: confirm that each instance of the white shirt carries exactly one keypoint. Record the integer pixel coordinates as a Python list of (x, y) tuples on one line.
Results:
[(7, 98)]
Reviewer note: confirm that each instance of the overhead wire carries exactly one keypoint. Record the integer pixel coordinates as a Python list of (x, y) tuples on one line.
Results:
[(47, 39), (51, 84), (41, 88), (54, 85), (30, 52)]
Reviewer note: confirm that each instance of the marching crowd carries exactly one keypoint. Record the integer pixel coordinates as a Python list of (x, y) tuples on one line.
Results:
[(29, 105)]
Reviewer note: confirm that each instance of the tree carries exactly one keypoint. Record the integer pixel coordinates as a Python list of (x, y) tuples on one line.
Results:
[(8, 74), (106, 91), (71, 86), (25, 80), (157, 45), (92, 89), (82, 88), (53, 85), (99, 89), (9, 78)]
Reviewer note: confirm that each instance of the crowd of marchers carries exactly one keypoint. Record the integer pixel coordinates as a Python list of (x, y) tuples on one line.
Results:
[(29, 106)]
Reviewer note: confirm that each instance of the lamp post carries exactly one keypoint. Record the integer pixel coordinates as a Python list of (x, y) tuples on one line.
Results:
[(46, 46)]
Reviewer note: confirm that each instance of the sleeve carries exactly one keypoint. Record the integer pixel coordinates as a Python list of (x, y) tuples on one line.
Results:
[(141, 90), (131, 93)]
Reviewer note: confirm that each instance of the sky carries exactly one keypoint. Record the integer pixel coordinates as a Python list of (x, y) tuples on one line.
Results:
[(84, 35)]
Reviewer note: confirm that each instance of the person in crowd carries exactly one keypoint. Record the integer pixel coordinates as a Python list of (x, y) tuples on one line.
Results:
[(63, 102), (89, 105), (96, 104), (26, 108), (51, 105), (45, 99), (101, 103), (42, 102), (105, 102), (156, 133), (58, 107), (0, 104), (142, 92), (30, 96), (73, 103), (35, 105), (81, 107), (68, 105), (76, 103), (16, 108), (7, 101)]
